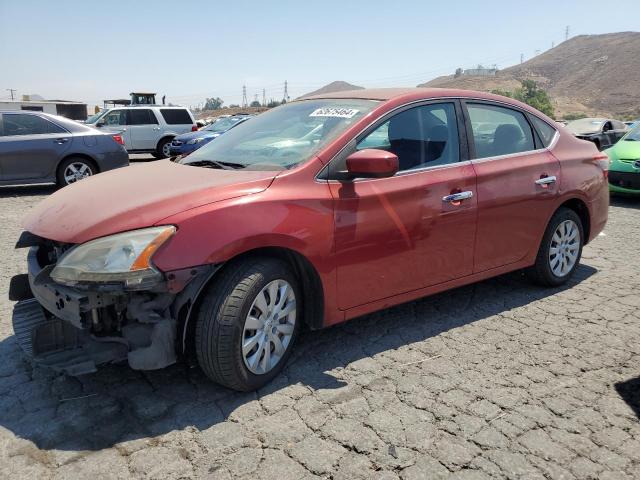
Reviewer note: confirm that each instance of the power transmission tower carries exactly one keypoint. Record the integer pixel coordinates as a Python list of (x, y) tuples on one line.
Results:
[(244, 96), (255, 98), (522, 58), (12, 90), (566, 33), (553, 44), (286, 92), (264, 98)]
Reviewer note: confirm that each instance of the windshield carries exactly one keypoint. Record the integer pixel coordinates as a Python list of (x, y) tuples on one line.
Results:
[(585, 125), (283, 137), (633, 135), (96, 117), (223, 124)]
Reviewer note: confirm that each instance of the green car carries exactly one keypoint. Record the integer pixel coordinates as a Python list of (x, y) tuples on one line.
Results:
[(624, 166)]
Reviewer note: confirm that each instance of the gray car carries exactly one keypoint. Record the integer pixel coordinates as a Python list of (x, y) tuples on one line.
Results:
[(36, 147)]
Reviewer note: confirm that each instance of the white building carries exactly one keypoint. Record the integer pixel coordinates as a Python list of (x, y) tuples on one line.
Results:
[(72, 110)]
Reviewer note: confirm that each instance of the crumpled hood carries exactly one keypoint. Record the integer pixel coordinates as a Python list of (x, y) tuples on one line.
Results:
[(136, 197)]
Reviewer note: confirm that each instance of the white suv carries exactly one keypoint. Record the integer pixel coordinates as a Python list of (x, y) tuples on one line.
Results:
[(146, 128)]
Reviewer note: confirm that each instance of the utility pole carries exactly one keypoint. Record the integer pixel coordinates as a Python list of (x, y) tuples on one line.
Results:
[(264, 98), (12, 90), (244, 96), (286, 92), (255, 97), (553, 44), (522, 58), (566, 33)]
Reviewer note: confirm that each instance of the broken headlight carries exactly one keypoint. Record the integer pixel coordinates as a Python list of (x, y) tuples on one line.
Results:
[(123, 257)]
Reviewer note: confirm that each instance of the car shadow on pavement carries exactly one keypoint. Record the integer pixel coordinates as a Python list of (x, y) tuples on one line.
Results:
[(26, 190), (630, 393), (118, 404), (625, 201)]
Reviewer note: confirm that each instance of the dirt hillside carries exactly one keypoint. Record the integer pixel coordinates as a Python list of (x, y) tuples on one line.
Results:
[(594, 74)]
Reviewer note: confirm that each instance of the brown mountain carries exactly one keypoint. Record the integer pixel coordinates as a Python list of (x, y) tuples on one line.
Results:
[(594, 74), (337, 86)]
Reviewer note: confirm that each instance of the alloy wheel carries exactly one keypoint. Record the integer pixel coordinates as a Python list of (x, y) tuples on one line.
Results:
[(564, 249), (76, 171), (269, 327), (166, 149)]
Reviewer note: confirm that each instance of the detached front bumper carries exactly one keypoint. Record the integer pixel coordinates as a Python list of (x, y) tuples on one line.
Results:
[(74, 330)]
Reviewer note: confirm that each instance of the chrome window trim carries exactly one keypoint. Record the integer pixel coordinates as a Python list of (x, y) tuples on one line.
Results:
[(434, 167)]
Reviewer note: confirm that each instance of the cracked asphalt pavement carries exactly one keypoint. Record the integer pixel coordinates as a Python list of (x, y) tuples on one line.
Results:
[(495, 380)]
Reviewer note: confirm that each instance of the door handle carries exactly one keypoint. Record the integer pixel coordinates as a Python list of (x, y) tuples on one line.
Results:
[(546, 180), (60, 141), (457, 197)]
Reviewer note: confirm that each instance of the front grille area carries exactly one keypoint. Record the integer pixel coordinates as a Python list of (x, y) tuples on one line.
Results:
[(625, 180)]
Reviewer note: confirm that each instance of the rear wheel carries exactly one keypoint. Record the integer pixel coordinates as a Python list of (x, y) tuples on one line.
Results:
[(74, 169), (163, 149), (248, 322), (560, 250)]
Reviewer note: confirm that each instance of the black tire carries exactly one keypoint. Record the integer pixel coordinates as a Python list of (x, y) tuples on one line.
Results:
[(221, 318), (159, 153), (60, 174), (541, 272)]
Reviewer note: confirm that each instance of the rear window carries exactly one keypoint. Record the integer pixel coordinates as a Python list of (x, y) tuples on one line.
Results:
[(176, 116)]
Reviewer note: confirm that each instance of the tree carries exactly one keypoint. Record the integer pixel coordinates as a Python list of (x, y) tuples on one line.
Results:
[(273, 103), (255, 103), (213, 103), (458, 73), (531, 94)]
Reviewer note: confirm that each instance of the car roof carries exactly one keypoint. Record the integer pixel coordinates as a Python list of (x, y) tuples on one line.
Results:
[(406, 95)]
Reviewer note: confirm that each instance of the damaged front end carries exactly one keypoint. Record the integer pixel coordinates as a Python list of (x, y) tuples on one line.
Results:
[(74, 320)]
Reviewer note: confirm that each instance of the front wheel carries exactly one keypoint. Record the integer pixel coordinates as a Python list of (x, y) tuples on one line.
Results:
[(560, 250), (247, 323)]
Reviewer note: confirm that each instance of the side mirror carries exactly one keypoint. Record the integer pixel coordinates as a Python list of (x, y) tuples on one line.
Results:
[(100, 124), (372, 163)]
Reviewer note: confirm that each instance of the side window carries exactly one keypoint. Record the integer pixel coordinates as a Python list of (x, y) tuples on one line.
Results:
[(19, 124), (142, 116), (546, 131), (115, 117), (421, 137), (176, 116), (499, 130)]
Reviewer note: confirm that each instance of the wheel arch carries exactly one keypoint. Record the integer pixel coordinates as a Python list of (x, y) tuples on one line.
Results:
[(78, 155), (305, 272), (166, 136), (582, 210)]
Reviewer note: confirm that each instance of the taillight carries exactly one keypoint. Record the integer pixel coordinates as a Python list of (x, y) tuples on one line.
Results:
[(118, 139), (602, 160), (194, 128)]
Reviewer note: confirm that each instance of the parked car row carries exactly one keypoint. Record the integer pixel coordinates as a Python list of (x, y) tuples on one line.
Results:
[(603, 132), (189, 142), (314, 212)]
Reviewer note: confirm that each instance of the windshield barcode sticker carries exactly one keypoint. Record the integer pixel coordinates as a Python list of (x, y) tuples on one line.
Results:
[(334, 112)]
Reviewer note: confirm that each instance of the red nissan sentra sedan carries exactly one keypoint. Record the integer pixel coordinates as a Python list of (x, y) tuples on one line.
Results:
[(313, 213)]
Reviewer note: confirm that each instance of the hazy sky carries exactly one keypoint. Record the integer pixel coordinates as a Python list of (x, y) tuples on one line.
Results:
[(92, 50)]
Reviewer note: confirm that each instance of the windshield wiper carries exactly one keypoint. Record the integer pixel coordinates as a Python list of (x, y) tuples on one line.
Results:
[(216, 164)]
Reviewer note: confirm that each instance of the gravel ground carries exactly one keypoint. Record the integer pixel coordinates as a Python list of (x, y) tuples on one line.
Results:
[(499, 379)]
